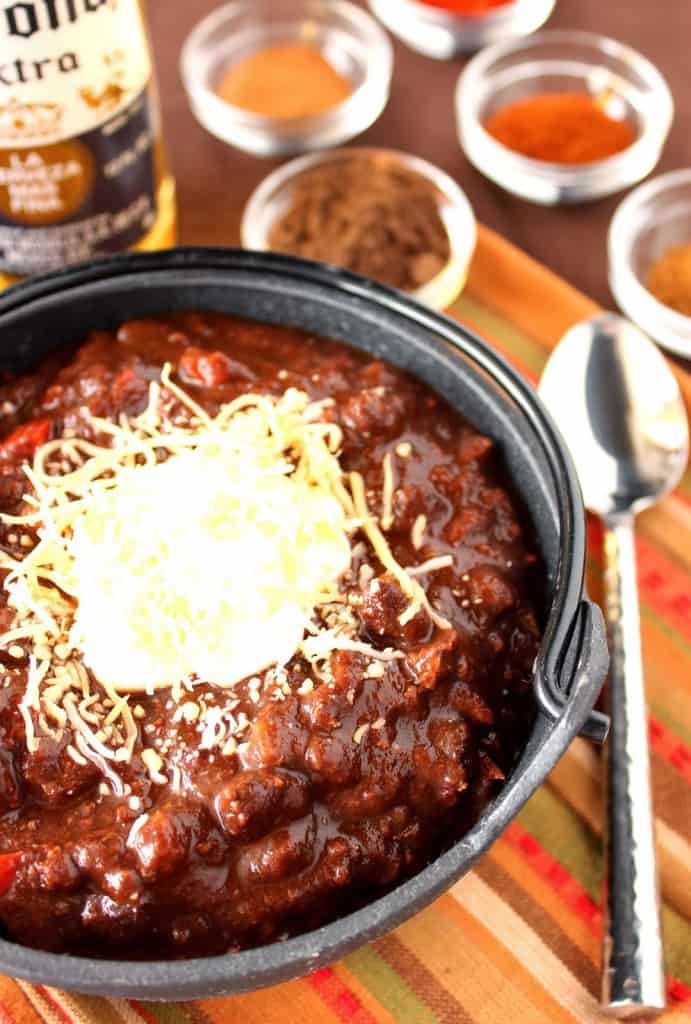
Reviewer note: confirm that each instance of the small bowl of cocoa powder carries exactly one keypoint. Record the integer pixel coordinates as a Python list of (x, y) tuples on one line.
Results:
[(380, 213)]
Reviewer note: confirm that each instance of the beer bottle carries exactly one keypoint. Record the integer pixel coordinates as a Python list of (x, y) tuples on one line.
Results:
[(82, 165)]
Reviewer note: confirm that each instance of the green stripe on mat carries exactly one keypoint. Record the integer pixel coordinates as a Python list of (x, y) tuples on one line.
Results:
[(95, 1009), (569, 840), (166, 1013), (388, 987), (530, 353), (565, 836)]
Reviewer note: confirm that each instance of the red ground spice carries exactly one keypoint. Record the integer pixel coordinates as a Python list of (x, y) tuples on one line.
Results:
[(562, 128), (467, 7)]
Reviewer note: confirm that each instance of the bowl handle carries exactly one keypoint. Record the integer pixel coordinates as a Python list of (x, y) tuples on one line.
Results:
[(580, 665)]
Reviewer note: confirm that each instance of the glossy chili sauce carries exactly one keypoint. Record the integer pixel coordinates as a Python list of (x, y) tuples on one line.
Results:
[(350, 782)]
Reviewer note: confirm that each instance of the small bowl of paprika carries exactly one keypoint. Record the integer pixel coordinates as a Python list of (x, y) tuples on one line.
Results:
[(380, 213), (649, 250), (562, 116), (274, 77), (443, 29)]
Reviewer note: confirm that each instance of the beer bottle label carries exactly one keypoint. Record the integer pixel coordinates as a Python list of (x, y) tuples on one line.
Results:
[(77, 175)]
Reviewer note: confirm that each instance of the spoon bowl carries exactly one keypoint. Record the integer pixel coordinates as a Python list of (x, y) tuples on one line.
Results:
[(620, 411)]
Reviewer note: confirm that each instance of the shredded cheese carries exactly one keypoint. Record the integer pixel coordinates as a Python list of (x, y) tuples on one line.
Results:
[(431, 565), (410, 587), (417, 534), (196, 551), (387, 517), (182, 549)]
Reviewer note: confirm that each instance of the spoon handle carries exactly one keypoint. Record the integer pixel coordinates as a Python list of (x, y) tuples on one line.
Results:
[(633, 979)]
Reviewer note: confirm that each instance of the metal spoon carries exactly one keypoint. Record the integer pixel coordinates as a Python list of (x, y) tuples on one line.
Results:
[(618, 406)]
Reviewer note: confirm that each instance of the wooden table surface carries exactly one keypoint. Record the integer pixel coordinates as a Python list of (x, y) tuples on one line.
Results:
[(214, 180)]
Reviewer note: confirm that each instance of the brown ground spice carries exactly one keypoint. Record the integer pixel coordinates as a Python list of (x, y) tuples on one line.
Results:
[(670, 279), (371, 215)]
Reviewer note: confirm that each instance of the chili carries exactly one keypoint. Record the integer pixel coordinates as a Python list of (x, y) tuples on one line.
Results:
[(344, 780)]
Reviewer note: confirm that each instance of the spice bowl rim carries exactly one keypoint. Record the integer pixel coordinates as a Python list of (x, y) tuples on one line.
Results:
[(438, 293), (667, 326), (465, 33), (543, 181), (266, 135)]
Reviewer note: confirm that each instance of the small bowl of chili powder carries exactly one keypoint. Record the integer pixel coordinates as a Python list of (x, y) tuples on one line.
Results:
[(380, 213), (443, 29), (273, 77), (563, 117), (649, 250)]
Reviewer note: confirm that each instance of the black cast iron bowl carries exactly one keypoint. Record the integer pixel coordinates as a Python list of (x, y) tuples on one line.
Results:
[(62, 307)]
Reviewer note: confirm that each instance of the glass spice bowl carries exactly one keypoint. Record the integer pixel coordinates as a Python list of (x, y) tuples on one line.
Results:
[(273, 196), (558, 62), (346, 36), (442, 34), (646, 224)]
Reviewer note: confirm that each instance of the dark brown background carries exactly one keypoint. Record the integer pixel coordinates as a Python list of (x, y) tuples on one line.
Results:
[(214, 180)]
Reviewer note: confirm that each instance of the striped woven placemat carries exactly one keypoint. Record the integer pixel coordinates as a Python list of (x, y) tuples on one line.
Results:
[(518, 939)]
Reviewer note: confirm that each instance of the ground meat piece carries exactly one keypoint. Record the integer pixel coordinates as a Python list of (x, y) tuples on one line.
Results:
[(161, 840), (323, 708), (383, 605), (280, 855), (136, 333), (337, 862), (491, 592), (473, 447), (450, 737), (253, 802), (332, 759), (438, 779), (129, 391), (69, 780), (277, 737), (470, 522), (122, 885), (347, 670), (373, 410), (371, 796), (470, 704), (432, 661), (10, 784), (56, 870), (408, 503)]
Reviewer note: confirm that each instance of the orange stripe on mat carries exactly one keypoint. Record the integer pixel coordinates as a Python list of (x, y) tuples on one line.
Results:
[(500, 985)]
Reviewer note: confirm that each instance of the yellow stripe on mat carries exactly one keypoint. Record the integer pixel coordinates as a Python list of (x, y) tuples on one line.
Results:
[(528, 950), (493, 985)]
